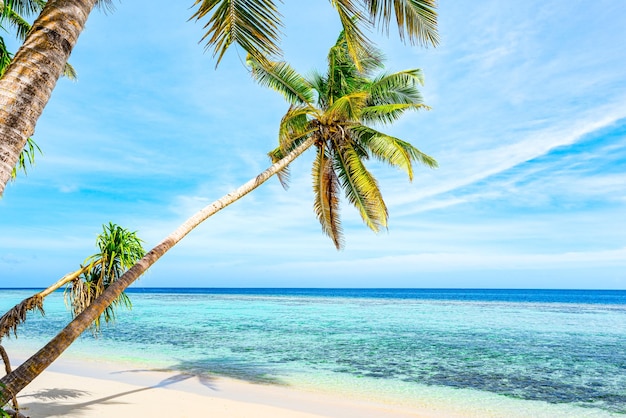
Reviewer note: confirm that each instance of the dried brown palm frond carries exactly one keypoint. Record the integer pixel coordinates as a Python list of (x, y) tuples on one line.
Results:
[(78, 296), (16, 315)]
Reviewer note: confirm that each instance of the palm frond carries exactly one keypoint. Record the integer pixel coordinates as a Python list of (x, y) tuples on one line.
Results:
[(70, 72), (399, 87), (343, 76), (119, 250), (391, 150), (417, 155), (279, 76), (416, 19), (369, 57), (253, 24), (21, 7), (5, 57), (294, 127), (347, 107), (319, 84), (326, 200), (107, 6), (351, 15), (22, 27), (361, 188), (387, 113), (283, 175), (17, 315), (26, 158)]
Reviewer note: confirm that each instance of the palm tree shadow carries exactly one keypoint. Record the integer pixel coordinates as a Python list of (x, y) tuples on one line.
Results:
[(49, 402), (58, 394), (208, 369)]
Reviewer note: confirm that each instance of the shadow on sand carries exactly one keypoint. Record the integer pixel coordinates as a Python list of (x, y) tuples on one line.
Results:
[(53, 402), (207, 370)]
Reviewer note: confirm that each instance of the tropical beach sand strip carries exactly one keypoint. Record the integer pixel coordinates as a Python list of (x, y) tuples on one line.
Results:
[(82, 389)]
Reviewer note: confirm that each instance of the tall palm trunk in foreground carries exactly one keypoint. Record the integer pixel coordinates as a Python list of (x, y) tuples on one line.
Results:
[(27, 84), (31, 368)]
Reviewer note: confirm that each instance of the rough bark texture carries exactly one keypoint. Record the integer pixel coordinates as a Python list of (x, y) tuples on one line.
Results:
[(7, 369), (29, 80), (31, 368)]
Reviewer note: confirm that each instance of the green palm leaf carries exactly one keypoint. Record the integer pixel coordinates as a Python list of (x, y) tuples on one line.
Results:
[(347, 107), (253, 24), (326, 200), (18, 22), (27, 157), (319, 84), (279, 76), (391, 150), (69, 72), (285, 174), (416, 19), (294, 130), (361, 188), (5, 57), (294, 127), (388, 113), (356, 41), (22, 7), (400, 87)]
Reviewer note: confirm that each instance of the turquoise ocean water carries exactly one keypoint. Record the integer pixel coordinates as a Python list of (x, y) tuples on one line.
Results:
[(493, 352)]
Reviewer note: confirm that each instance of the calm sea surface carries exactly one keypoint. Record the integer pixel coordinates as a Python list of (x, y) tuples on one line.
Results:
[(493, 352)]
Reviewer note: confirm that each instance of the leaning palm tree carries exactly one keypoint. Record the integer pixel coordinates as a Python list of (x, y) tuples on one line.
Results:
[(254, 25), (347, 99)]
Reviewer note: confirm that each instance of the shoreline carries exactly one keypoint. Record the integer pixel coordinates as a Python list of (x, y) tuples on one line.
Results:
[(77, 388)]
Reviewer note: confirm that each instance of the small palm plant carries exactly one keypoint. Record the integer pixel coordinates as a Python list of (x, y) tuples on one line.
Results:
[(339, 110), (119, 249)]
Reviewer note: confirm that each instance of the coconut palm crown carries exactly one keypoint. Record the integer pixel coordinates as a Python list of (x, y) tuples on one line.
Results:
[(340, 110)]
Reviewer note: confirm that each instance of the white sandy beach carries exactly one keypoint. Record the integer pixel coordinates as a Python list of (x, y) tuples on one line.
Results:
[(82, 389)]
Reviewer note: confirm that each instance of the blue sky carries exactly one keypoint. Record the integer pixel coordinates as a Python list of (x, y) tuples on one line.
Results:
[(528, 123)]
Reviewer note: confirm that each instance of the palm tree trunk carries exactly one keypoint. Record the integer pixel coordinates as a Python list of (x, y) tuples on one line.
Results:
[(31, 368), (7, 369), (29, 80)]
